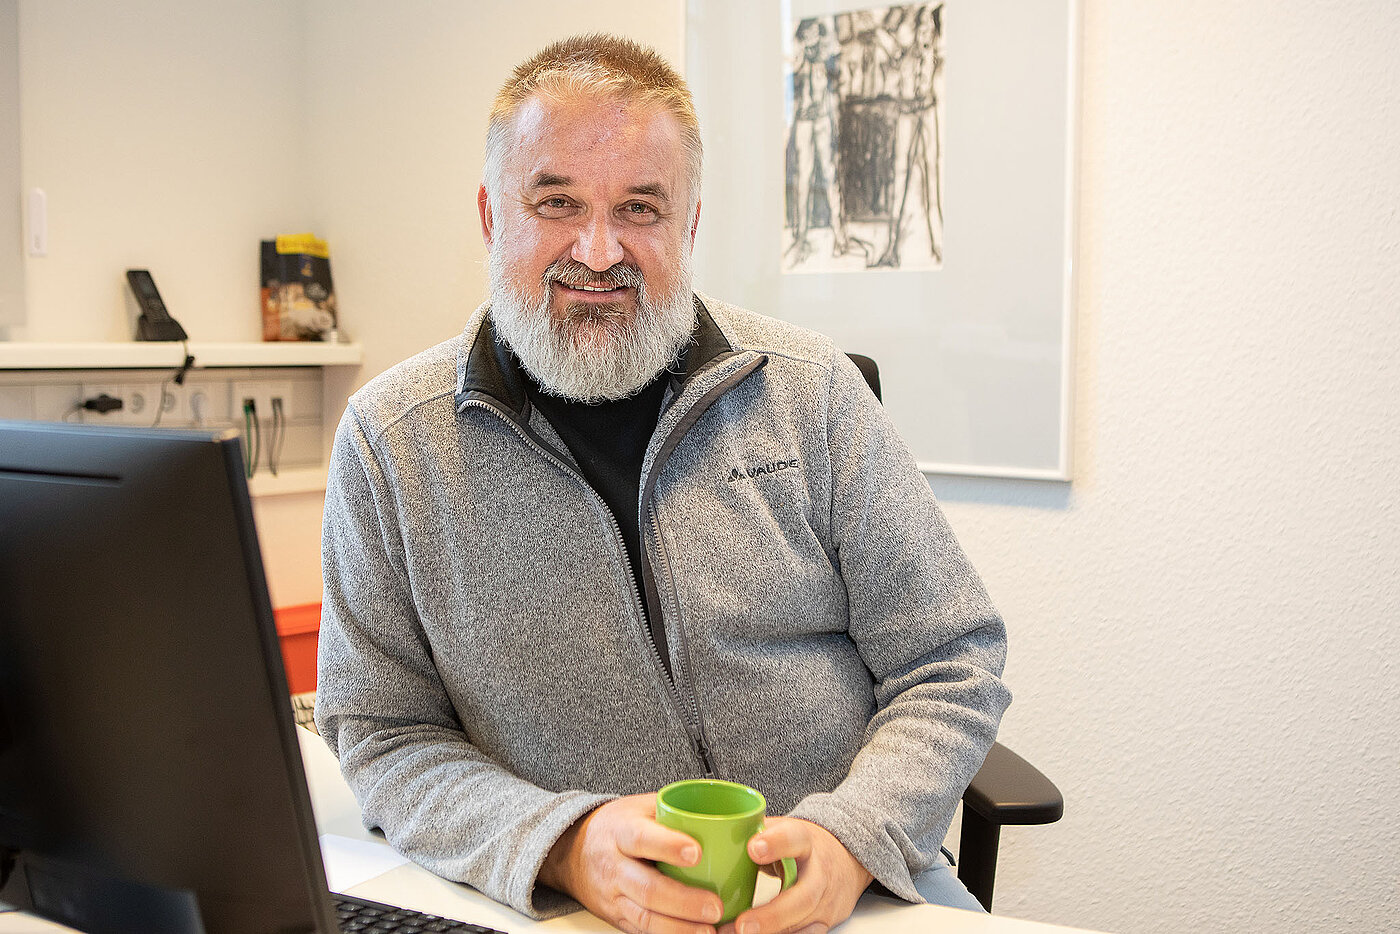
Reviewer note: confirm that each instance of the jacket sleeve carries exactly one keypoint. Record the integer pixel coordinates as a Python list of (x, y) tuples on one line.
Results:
[(925, 628), (384, 712)]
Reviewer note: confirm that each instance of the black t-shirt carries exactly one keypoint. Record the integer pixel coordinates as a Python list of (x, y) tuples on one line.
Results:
[(609, 441)]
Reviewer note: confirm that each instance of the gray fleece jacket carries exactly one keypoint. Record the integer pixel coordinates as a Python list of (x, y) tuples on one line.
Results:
[(486, 675)]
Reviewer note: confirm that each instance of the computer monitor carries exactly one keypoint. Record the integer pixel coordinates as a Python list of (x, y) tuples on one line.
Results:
[(150, 775)]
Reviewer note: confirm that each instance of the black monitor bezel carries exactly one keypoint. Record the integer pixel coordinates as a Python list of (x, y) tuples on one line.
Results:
[(96, 455)]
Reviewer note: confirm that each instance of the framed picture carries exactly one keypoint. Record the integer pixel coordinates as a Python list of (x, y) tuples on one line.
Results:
[(901, 176)]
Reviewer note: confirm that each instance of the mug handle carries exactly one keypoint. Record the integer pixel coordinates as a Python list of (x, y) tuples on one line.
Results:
[(789, 872)]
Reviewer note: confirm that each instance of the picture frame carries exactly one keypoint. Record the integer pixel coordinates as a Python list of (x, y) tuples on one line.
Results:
[(975, 349)]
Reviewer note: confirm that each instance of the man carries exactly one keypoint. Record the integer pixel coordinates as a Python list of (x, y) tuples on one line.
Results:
[(616, 534)]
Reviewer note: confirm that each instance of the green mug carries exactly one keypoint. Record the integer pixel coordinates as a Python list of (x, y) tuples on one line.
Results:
[(721, 817)]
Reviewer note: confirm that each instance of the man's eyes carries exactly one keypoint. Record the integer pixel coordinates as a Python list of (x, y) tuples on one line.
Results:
[(638, 212), (554, 207)]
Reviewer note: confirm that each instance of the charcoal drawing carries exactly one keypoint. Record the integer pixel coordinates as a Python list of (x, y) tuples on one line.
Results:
[(864, 141)]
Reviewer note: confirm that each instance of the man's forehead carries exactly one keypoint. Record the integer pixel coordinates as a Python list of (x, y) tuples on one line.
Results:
[(556, 140), (540, 110)]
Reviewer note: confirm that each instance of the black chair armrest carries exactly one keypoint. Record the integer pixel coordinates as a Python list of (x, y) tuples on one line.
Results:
[(1006, 790), (1009, 790)]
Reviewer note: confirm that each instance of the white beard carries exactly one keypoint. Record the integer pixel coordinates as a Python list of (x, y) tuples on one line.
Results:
[(596, 353)]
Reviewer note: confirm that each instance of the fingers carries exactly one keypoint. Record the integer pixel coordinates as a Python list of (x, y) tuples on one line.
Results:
[(624, 924), (654, 895), (638, 920), (791, 910), (794, 908), (646, 839), (829, 880), (608, 868), (782, 838)]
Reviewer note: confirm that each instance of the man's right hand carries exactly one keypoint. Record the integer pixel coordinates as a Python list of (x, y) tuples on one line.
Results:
[(604, 861)]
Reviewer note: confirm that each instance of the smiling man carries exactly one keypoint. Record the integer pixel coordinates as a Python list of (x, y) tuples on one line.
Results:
[(589, 217), (617, 533)]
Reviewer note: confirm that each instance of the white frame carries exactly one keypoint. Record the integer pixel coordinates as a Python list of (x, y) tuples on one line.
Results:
[(12, 310), (1010, 414)]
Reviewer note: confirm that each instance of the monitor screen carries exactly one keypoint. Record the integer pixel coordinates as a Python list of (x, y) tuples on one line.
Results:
[(150, 778)]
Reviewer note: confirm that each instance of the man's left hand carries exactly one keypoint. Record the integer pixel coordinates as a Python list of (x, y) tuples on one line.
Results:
[(829, 881)]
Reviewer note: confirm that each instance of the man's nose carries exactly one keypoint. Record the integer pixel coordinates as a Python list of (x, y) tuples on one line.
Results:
[(597, 245)]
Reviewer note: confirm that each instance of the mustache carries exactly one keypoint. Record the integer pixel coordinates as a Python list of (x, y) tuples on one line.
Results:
[(573, 273)]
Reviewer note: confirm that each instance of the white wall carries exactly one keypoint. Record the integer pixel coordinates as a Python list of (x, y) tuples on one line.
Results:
[(1202, 624), (1203, 627), (11, 266), (167, 135)]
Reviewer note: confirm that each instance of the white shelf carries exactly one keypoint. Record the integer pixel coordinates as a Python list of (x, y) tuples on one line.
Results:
[(109, 355), (299, 480)]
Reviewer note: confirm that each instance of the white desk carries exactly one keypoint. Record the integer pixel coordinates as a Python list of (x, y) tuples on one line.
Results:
[(414, 887)]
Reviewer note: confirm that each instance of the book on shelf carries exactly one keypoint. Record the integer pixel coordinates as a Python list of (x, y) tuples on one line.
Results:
[(298, 298)]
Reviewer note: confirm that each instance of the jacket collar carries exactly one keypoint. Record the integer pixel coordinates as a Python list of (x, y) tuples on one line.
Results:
[(486, 367)]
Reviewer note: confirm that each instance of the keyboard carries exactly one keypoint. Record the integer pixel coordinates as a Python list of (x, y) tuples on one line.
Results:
[(358, 914)]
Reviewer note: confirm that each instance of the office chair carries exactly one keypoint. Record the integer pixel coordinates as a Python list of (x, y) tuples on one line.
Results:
[(1006, 790)]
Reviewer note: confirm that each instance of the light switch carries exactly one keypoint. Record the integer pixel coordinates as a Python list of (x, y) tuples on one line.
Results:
[(38, 223)]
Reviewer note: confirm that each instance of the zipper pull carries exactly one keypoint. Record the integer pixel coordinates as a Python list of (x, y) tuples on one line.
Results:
[(705, 758)]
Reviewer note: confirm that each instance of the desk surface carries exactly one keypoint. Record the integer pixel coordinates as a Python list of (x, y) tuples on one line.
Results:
[(414, 887)]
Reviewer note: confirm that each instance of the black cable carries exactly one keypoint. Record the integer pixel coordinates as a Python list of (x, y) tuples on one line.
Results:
[(178, 378), (279, 435), (257, 434), (102, 403), (99, 403), (184, 368)]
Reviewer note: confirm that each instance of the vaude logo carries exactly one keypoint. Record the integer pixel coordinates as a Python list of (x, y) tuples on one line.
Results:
[(754, 472)]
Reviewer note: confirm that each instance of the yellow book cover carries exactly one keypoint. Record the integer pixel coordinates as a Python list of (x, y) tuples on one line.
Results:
[(298, 298)]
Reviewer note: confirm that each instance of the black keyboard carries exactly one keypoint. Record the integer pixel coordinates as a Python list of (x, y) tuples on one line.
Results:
[(358, 914)]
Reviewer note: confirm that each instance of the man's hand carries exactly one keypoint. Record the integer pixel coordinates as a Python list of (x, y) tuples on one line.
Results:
[(829, 880), (602, 860)]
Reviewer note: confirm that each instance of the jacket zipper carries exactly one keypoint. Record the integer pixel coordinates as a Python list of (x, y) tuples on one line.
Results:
[(689, 712), (702, 743)]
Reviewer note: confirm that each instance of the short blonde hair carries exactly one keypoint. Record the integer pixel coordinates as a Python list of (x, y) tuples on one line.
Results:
[(595, 64)]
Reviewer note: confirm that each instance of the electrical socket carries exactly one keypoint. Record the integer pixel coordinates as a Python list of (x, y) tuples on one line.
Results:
[(139, 402), (199, 406), (175, 410), (262, 392)]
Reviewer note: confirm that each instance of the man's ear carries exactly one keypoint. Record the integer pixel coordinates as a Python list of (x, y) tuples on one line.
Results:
[(694, 225), (483, 205)]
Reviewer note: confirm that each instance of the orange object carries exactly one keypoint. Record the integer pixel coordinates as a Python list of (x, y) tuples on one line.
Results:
[(298, 628)]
